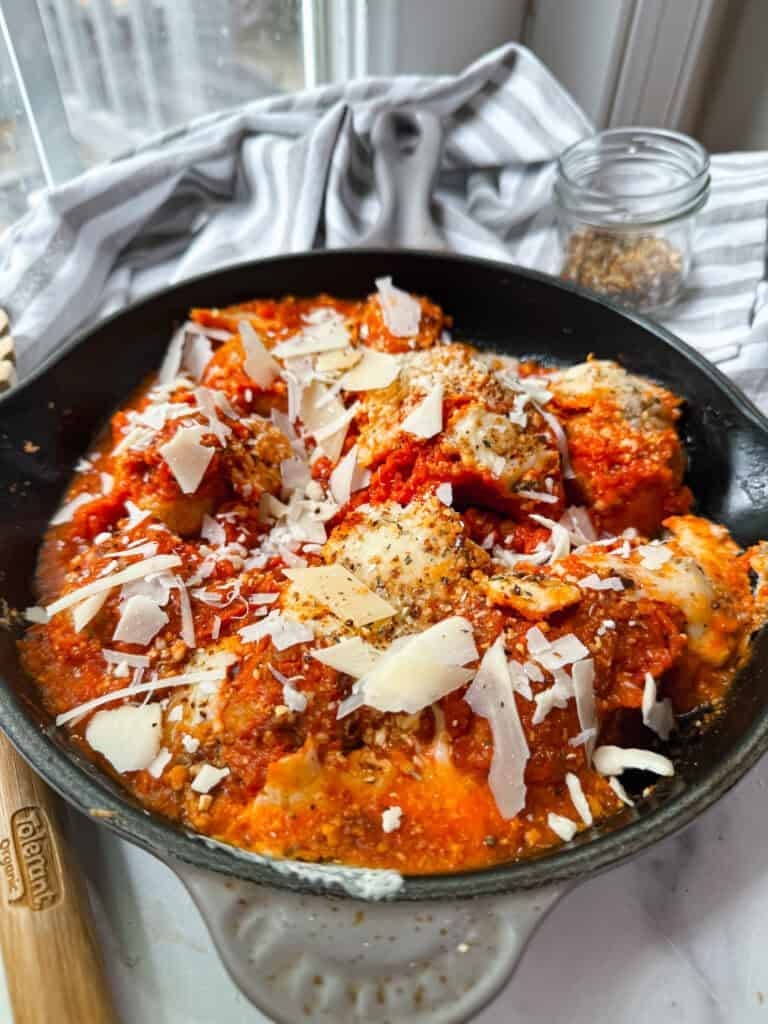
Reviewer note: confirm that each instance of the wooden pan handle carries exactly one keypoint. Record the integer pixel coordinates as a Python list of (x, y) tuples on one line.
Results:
[(52, 964)]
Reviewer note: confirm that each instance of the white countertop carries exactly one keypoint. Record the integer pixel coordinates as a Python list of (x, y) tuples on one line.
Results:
[(677, 936)]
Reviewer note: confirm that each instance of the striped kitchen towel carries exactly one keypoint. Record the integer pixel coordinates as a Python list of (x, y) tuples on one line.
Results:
[(294, 172)]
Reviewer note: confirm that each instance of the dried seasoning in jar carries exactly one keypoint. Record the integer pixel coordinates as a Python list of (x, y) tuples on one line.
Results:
[(626, 201), (642, 271)]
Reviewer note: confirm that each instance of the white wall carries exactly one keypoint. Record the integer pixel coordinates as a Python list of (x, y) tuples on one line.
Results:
[(734, 110), (438, 36), (582, 43)]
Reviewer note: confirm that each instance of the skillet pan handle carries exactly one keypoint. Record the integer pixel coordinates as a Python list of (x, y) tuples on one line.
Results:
[(407, 147), (300, 957)]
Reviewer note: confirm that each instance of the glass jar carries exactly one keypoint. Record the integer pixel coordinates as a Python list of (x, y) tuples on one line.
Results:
[(626, 200)]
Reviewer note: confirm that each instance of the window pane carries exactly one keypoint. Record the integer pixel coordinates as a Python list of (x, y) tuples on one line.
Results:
[(128, 69), (20, 172)]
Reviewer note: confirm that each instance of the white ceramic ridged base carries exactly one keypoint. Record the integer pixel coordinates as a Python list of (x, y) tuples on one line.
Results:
[(317, 958)]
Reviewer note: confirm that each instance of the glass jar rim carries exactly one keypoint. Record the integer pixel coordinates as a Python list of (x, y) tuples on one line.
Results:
[(683, 154)]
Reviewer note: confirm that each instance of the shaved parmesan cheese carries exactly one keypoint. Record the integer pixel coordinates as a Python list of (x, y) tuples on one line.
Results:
[(375, 370), (258, 364), (418, 670), (283, 631), (325, 336), (560, 439), (208, 777), (593, 582), (560, 538), (133, 572), (187, 679), (657, 715), (190, 743), (400, 312), (548, 499), (294, 473), (561, 652), (341, 592), (536, 641), (169, 370), (215, 627), (36, 614), (140, 621), (123, 660), (578, 524), (128, 737), (342, 478), (444, 493), (66, 512), (611, 760), (426, 419), (520, 681), (341, 359), (583, 679), (336, 425), (293, 699), (84, 612), (187, 458), (491, 697), (159, 764), (563, 828), (533, 672), (606, 625), (555, 696), (582, 738), (579, 800), (197, 354), (620, 792), (354, 656), (187, 621), (391, 818), (213, 532), (653, 556)]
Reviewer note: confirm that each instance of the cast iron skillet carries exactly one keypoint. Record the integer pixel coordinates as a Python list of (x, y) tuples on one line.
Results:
[(494, 305)]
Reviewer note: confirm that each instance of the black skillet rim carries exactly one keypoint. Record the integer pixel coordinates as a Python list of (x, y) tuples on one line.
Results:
[(94, 796)]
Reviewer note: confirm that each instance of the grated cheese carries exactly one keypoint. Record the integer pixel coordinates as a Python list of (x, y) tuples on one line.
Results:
[(391, 819)]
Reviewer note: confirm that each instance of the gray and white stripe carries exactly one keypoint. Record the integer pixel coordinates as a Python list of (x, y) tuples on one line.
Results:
[(294, 172)]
